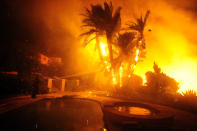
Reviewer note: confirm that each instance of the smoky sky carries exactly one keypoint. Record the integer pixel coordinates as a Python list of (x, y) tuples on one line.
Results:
[(52, 27)]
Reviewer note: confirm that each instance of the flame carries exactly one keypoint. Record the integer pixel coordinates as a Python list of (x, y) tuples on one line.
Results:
[(163, 18), (176, 59), (137, 55), (136, 60), (44, 59), (114, 81), (104, 49), (121, 75), (185, 73), (107, 65)]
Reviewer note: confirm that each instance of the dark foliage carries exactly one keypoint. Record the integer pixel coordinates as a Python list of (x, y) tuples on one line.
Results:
[(190, 93), (130, 87), (102, 18), (139, 27), (140, 23), (125, 43), (159, 83)]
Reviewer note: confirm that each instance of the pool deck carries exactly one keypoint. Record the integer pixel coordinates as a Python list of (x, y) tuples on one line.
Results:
[(183, 119), (18, 101)]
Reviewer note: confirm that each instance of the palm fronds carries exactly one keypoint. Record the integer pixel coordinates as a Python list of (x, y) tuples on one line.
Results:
[(87, 41), (102, 18), (190, 93), (140, 23), (124, 41), (139, 26)]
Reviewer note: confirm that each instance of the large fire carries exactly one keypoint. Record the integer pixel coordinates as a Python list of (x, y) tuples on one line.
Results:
[(175, 59), (167, 44), (117, 76), (104, 49), (171, 43), (182, 67)]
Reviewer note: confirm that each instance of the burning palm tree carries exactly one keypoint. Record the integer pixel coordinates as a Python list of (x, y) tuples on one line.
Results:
[(125, 42), (139, 27), (102, 20), (126, 46)]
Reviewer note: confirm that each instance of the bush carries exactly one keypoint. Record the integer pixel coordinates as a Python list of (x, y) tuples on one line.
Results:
[(159, 83), (190, 93), (189, 97), (135, 81), (129, 88)]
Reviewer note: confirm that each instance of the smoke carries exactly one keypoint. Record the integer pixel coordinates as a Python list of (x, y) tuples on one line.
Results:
[(171, 43)]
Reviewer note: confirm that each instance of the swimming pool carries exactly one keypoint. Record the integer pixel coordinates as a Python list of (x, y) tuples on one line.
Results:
[(55, 114)]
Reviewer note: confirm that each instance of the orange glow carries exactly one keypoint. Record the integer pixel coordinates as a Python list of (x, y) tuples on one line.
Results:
[(137, 55), (114, 81), (117, 77), (104, 49), (91, 52), (134, 66), (136, 60), (107, 65), (44, 59), (175, 60), (121, 75), (185, 73), (170, 43)]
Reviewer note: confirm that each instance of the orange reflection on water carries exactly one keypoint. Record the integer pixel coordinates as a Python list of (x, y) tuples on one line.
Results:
[(133, 110)]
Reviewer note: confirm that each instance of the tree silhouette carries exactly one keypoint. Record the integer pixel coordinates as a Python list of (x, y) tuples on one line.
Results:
[(125, 43), (102, 20), (139, 26), (156, 68), (159, 83), (126, 47)]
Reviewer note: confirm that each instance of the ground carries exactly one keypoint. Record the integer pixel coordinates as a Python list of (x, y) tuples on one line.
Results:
[(183, 119)]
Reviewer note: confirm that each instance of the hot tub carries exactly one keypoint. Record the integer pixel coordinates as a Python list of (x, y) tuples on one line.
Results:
[(134, 110), (138, 114)]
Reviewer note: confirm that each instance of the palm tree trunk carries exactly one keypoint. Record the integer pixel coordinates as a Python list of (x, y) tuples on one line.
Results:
[(109, 43), (99, 48)]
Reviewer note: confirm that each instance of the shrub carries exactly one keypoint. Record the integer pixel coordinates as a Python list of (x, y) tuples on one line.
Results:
[(129, 88), (159, 83), (190, 93)]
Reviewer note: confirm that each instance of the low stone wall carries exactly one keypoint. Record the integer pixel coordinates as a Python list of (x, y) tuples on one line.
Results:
[(57, 85)]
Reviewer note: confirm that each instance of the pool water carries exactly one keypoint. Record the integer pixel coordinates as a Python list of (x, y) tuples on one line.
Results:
[(55, 114), (133, 110)]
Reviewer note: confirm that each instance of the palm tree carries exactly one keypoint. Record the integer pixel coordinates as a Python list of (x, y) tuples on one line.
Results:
[(127, 45), (139, 27), (102, 20)]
